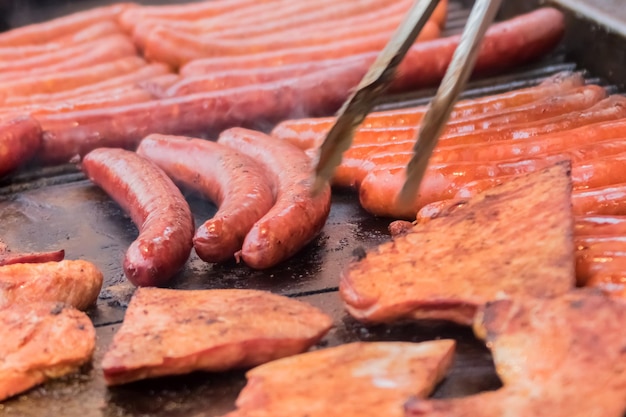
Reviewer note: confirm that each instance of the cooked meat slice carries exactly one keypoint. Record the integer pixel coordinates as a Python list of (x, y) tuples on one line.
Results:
[(354, 380), (41, 341), (169, 332), (76, 283), (561, 357), (513, 240)]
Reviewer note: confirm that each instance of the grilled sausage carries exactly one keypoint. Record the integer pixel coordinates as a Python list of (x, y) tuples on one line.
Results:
[(597, 225), (20, 138), (67, 80), (297, 217), (235, 182), (61, 27), (71, 58), (155, 205)]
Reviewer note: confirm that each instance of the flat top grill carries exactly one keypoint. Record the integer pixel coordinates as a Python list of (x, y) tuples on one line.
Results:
[(56, 207)]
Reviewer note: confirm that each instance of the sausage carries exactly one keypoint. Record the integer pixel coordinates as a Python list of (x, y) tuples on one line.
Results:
[(598, 225), (297, 217), (606, 200), (116, 97), (76, 133), (63, 26), (94, 32), (192, 84), (9, 258), (236, 183), (600, 258), (191, 11), (106, 88), (71, 58), (176, 43), (165, 44), (506, 44), (67, 80), (75, 283), (557, 85), (156, 206), (20, 138), (158, 86)]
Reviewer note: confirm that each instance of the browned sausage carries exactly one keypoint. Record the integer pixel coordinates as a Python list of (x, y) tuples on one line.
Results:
[(20, 138), (236, 183), (297, 217), (155, 205)]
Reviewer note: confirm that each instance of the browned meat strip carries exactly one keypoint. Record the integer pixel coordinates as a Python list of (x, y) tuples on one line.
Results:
[(169, 332), (514, 240)]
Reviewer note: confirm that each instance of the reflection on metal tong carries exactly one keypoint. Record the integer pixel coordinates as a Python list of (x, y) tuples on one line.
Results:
[(380, 75)]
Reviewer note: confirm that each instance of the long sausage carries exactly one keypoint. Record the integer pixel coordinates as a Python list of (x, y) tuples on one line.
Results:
[(506, 44), (598, 225), (236, 183), (106, 88), (80, 56), (297, 217), (10, 258), (49, 31), (20, 138), (67, 80), (304, 132), (155, 205)]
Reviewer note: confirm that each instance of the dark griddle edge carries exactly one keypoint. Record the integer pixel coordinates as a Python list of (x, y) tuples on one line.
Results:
[(84, 394)]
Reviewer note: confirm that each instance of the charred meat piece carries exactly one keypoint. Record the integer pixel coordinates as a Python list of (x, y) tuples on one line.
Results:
[(168, 332), (41, 341), (511, 241), (75, 283), (560, 357), (354, 380)]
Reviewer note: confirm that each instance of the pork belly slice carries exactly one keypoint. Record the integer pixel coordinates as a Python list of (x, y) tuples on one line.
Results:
[(514, 240), (75, 283), (41, 341), (561, 357), (359, 379), (167, 332)]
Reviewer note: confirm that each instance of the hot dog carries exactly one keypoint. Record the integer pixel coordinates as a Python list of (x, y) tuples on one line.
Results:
[(505, 44), (67, 80), (76, 133), (177, 48), (304, 132), (597, 225), (297, 217), (71, 58), (155, 205), (49, 31), (20, 138), (106, 88), (235, 182)]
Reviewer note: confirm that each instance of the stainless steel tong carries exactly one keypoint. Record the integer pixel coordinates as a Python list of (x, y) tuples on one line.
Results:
[(381, 74)]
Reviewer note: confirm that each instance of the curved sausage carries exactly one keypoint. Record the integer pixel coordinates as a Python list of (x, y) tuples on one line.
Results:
[(155, 205), (76, 283), (10, 258), (236, 183), (45, 32), (20, 138), (297, 217), (304, 132)]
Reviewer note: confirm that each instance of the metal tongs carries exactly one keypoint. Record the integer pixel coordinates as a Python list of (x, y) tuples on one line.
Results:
[(381, 74)]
